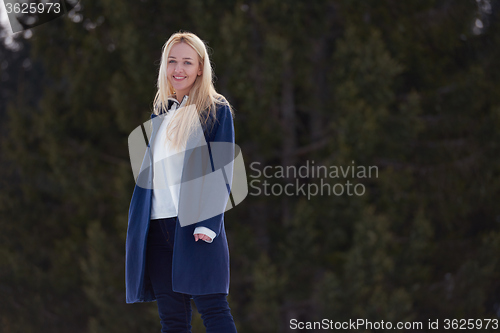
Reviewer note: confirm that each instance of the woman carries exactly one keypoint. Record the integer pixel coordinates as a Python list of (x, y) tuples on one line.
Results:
[(167, 260)]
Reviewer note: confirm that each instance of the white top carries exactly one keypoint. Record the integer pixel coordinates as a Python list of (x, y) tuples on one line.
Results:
[(167, 173)]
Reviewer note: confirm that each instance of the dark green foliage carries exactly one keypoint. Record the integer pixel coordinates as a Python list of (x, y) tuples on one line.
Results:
[(410, 87)]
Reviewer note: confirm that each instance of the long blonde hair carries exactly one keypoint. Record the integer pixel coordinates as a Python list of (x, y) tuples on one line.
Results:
[(202, 102)]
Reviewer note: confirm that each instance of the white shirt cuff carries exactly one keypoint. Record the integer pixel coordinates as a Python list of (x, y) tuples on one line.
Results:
[(205, 231)]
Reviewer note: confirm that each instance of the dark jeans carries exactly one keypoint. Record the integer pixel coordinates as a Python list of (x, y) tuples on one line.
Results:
[(175, 308)]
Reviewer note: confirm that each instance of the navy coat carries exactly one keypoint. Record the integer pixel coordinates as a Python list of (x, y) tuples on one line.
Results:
[(198, 268)]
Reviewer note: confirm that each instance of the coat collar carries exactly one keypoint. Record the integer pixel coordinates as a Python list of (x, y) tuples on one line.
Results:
[(171, 101)]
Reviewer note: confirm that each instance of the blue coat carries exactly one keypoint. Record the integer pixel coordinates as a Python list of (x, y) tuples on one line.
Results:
[(198, 268)]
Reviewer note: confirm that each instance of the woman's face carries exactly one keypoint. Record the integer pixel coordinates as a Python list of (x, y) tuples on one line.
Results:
[(182, 68)]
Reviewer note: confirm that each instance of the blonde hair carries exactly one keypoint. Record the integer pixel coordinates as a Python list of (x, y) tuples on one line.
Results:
[(203, 98)]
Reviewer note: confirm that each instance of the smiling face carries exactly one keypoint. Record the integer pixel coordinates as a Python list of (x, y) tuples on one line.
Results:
[(183, 68)]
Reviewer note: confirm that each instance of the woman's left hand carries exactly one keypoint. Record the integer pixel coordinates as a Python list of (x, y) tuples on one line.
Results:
[(202, 237)]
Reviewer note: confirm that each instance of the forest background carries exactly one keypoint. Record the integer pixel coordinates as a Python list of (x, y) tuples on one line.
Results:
[(411, 87)]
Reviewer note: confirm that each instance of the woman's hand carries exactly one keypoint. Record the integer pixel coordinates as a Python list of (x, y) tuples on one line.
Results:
[(202, 237)]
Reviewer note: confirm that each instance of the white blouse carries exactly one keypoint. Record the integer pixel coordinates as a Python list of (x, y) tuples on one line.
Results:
[(167, 167)]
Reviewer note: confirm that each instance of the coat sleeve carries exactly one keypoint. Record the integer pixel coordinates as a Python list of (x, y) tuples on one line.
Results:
[(223, 131)]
